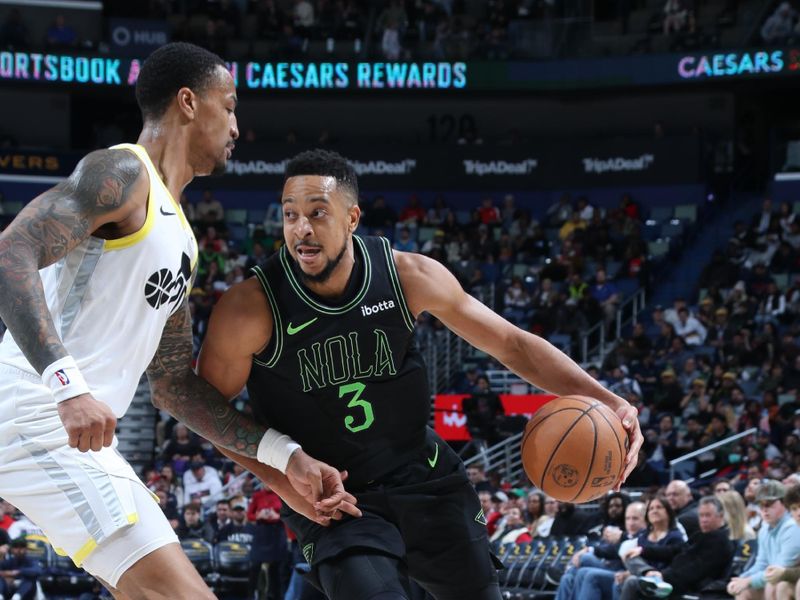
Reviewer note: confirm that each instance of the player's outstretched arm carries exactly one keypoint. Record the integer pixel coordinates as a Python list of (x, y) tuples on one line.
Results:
[(429, 286), (201, 402), (103, 189), (178, 390)]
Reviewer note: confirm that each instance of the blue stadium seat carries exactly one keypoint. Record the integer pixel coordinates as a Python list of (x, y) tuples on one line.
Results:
[(231, 567), (199, 553), (65, 578), (40, 549), (237, 232), (256, 215), (463, 216), (515, 557), (686, 212), (424, 234), (651, 231), (236, 215), (672, 230), (11, 207), (658, 248), (661, 214)]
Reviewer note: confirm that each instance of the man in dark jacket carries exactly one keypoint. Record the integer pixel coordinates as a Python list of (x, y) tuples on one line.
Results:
[(679, 496), (19, 572), (191, 528), (707, 556), (220, 518), (238, 529), (595, 566)]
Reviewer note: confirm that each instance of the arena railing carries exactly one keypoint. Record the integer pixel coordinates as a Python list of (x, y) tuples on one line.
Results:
[(595, 343), (728, 440), (504, 457)]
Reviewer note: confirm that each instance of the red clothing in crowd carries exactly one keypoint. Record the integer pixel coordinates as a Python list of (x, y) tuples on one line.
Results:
[(264, 499), (412, 213), (489, 214)]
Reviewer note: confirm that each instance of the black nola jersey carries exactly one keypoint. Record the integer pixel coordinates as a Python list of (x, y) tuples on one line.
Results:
[(344, 380)]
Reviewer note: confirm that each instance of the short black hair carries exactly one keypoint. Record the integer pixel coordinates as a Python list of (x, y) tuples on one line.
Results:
[(327, 164), (170, 68)]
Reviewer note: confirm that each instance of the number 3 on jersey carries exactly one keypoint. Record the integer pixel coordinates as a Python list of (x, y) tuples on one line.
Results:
[(356, 402)]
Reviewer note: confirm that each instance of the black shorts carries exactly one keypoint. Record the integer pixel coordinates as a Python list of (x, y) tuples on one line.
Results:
[(428, 517)]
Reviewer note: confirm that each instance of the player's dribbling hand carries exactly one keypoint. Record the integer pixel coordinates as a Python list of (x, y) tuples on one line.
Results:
[(90, 424), (321, 485), (630, 421)]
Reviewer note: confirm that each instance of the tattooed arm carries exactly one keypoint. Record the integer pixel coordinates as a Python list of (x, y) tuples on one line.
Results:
[(97, 193), (189, 398), (106, 187)]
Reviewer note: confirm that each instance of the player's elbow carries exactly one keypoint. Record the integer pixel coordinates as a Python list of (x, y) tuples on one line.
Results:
[(160, 393), (512, 347)]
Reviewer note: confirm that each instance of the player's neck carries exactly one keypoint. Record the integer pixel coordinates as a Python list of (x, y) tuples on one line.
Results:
[(168, 150)]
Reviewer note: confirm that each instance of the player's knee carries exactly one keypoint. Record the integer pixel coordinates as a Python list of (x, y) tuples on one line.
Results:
[(489, 592), (363, 577)]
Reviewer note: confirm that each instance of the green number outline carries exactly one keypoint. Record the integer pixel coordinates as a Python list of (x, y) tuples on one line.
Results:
[(357, 388)]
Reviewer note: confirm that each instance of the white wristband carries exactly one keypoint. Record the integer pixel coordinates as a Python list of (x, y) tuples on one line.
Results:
[(64, 379), (275, 449)]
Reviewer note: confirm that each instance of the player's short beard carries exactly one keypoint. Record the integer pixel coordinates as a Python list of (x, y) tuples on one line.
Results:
[(327, 271), (220, 168)]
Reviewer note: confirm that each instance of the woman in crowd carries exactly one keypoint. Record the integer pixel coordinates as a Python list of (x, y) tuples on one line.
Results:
[(657, 545), (736, 515)]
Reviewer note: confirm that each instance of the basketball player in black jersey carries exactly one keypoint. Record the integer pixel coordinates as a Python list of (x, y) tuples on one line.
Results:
[(323, 339)]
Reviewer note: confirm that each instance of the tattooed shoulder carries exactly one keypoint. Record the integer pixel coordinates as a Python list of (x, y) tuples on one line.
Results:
[(94, 195), (102, 181)]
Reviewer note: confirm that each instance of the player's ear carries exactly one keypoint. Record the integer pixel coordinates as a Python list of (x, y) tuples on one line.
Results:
[(354, 213), (187, 103)]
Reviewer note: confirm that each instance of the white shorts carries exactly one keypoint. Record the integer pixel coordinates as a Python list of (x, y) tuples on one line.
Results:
[(90, 505)]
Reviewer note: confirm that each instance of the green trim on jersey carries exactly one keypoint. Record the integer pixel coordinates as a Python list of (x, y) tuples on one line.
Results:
[(328, 310), (277, 329), (398, 290)]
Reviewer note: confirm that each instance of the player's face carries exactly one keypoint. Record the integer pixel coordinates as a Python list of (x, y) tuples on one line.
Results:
[(216, 123), (318, 219)]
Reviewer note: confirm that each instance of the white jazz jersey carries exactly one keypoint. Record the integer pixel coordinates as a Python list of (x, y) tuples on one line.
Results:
[(110, 299)]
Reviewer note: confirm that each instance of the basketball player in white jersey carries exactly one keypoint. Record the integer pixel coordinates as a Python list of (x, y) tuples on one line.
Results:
[(95, 274)]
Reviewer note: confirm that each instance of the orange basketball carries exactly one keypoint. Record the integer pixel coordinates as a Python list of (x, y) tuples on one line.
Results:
[(574, 449)]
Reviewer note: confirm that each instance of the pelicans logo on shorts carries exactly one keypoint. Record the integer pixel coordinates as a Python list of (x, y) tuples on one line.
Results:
[(165, 287)]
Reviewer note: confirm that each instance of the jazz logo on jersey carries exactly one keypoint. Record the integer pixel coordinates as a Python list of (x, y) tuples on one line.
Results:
[(62, 377), (166, 287)]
